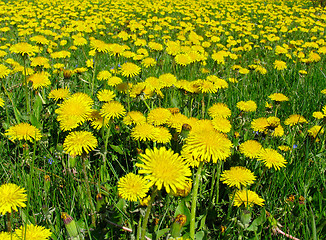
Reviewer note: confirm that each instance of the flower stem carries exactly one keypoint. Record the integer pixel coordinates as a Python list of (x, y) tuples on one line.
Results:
[(148, 211), (9, 229), (194, 201), (94, 73), (218, 173), (28, 109), (89, 195)]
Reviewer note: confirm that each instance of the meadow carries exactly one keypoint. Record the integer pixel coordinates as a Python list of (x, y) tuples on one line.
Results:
[(162, 119)]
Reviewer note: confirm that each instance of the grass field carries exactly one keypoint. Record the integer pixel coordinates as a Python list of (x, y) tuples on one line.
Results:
[(162, 120)]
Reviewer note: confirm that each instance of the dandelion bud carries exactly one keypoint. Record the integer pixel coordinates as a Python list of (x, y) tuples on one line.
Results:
[(71, 225), (179, 222)]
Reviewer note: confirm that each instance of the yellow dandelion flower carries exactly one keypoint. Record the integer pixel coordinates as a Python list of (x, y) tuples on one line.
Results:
[(77, 143), (104, 75), (313, 131), (2, 102), (97, 121), (4, 71), (221, 124), (164, 168), (162, 135), (219, 110), (159, 116), (250, 148), (260, 124), (284, 148), (248, 198), (271, 158), (279, 65), (105, 95), (23, 49), (114, 81), (40, 80), (40, 62), (278, 97), (237, 176), (23, 131), (206, 144), (130, 69), (144, 132), (33, 232), (318, 115), (74, 111), (134, 117), (132, 187), (247, 106), (294, 119), (12, 196), (61, 93), (112, 110), (99, 46), (148, 62)]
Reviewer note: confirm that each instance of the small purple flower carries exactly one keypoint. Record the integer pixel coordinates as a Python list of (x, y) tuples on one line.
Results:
[(295, 146)]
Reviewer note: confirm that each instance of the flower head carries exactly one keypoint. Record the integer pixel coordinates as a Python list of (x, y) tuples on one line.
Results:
[(132, 187), (79, 142), (165, 168), (279, 65), (294, 119), (40, 80), (60, 93), (219, 110), (4, 71), (33, 232), (105, 95), (250, 148), (23, 49), (158, 116), (271, 158), (206, 144), (144, 132), (2, 102), (130, 69), (248, 198), (237, 176), (11, 197), (74, 111), (112, 109), (23, 131), (248, 106), (134, 117), (278, 97)]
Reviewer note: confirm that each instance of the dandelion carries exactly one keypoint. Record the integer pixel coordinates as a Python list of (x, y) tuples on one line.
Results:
[(40, 80), (24, 49), (114, 81), (144, 132), (294, 119), (77, 143), (164, 168), (33, 232), (8, 236), (159, 116), (219, 110), (105, 95), (250, 148), (237, 176), (130, 69), (12, 196), (61, 93), (4, 71), (279, 65), (259, 124), (313, 131), (112, 110), (221, 124), (162, 135), (23, 131), (74, 111), (99, 46), (104, 75), (40, 62), (278, 97), (247, 106), (148, 62), (248, 198), (134, 117), (132, 187), (2, 102), (318, 115), (271, 158), (206, 144)]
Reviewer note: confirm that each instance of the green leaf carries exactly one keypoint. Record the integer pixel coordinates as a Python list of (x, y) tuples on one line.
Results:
[(182, 209), (117, 149), (199, 235), (257, 222), (161, 232)]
